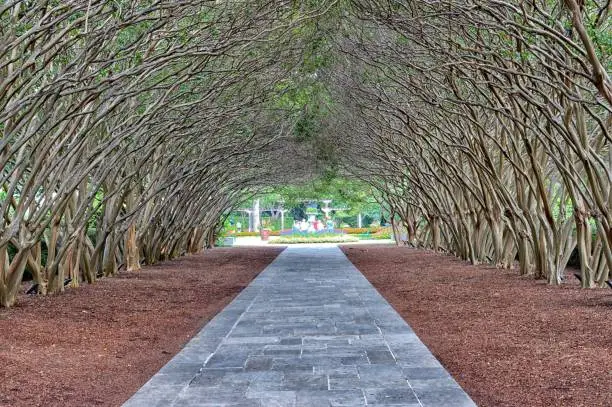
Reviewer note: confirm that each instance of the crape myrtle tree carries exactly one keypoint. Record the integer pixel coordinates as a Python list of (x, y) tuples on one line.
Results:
[(130, 127), (490, 123)]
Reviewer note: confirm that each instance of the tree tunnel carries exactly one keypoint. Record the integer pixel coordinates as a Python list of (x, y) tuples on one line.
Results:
[(130, 128)]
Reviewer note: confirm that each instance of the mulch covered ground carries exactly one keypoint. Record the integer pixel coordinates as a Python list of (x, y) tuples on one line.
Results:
[(508, 340), (96, 345)]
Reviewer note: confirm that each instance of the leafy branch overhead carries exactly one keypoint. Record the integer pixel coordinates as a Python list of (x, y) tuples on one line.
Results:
[(130, 129)]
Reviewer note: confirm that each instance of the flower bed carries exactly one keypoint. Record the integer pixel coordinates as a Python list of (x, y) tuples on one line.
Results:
[(384, 233), (290, 232), (315, 238), (251, 234), (360, 231)]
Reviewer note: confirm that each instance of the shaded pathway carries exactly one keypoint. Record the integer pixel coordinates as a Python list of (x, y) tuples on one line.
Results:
[(309, 331)]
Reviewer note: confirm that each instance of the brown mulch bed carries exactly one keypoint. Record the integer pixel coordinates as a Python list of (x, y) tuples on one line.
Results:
[(96, 345), (508, 340)]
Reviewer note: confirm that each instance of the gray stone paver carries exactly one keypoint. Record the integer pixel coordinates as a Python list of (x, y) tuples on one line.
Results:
[(310, 330)]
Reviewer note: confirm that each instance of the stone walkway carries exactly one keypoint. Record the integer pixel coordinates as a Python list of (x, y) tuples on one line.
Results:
[(309, 331)]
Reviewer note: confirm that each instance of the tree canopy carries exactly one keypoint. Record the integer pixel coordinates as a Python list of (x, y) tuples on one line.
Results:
[(130, 128)]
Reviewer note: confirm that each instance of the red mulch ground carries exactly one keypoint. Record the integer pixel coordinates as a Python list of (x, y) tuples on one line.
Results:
[(508, 340), (96, 345)]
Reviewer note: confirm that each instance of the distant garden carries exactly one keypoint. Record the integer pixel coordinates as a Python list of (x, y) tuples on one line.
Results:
[(345, 211)]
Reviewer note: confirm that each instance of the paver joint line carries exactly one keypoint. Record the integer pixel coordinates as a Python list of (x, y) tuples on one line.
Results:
[(310, 330)]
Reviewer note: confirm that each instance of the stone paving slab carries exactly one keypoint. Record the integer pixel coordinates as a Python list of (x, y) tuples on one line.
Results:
[(310, 330)]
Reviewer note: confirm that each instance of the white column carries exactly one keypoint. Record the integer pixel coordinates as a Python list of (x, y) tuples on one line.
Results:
[(256, 222)]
